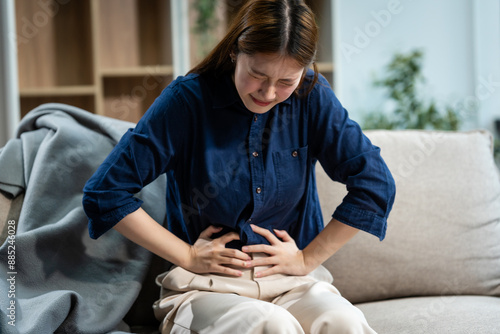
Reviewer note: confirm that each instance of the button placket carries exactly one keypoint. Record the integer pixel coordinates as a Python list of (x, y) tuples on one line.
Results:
[(256, 163)]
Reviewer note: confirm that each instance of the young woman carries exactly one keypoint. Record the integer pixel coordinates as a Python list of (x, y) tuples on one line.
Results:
[(238, 138)]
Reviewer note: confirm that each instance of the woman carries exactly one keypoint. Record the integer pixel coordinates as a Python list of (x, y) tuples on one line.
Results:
[(238, 138)]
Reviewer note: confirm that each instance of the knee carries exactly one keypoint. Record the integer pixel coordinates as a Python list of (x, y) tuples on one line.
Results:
[(343, 322), (272, 320)]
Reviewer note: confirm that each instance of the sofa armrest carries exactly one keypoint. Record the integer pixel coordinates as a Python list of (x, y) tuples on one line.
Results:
[(10, 209)]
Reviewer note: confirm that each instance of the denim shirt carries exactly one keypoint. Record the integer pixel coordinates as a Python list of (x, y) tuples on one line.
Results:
[(229, 167)]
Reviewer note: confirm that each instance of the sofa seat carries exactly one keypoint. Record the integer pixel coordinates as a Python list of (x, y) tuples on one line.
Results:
[(429, 315)]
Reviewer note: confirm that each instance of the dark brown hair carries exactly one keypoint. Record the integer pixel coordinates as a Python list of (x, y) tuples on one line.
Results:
[(285, 27)]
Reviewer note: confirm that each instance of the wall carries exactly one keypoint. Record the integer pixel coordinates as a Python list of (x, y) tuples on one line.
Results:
[(461, 44)]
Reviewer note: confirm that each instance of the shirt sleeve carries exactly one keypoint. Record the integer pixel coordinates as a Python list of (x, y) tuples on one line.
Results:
[(141, 155), (348, 157)]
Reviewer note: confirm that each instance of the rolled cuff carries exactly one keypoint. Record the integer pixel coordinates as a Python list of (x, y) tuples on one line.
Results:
[(361, 219), (99, 225)]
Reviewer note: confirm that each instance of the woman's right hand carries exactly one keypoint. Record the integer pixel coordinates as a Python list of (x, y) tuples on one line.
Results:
[(209, 255)]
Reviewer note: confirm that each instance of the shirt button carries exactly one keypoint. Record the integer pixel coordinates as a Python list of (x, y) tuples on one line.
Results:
[(258, 190), (255, 154), (255, 118), (295, 154)]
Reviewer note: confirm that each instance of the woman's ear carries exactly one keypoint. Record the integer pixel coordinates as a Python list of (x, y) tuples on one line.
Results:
[(234, 52)]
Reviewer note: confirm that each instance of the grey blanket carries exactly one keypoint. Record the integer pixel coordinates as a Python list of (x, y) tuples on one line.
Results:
[(63, 281)]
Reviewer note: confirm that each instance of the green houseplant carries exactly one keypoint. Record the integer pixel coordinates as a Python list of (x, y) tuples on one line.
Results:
[(402, 80), (205, 24)]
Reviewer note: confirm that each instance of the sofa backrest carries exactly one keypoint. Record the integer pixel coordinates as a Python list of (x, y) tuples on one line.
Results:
[(443, 234)]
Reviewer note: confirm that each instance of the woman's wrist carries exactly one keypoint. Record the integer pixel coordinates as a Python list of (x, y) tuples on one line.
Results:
[(328, 242), (186, 260), (312, 259)]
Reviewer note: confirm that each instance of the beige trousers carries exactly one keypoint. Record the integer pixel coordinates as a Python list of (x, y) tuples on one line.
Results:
[(213, 304)]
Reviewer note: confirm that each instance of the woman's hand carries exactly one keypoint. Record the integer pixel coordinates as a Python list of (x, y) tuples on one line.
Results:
[(209, 255), (284, 255)]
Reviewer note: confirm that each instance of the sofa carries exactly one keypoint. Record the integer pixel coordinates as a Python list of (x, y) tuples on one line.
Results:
[(438, 269)]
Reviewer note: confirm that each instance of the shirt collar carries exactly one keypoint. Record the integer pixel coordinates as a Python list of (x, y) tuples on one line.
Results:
[(224, 92)]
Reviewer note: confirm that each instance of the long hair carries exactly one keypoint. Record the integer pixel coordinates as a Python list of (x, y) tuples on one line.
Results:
[(285, 27)]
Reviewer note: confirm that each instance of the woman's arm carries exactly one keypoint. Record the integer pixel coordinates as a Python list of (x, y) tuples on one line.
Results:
[(286, 258), (327, 242), (206, 255)]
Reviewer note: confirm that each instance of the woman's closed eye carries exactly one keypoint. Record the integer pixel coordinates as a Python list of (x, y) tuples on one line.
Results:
[(258, 77), (286, 83)]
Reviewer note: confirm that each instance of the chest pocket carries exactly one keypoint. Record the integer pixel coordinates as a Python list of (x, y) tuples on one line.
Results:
[(291, 171)]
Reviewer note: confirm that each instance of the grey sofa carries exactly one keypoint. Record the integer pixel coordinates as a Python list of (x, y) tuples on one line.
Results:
[(438, 270)]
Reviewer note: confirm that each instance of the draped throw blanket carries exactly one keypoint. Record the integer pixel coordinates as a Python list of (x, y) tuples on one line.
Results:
[(60, 280)]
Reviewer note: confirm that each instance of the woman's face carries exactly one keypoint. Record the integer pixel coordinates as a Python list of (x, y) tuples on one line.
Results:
[(264, 80)]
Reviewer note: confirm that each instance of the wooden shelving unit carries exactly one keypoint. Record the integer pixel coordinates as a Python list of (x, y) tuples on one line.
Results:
[(110, 57), (114, 57)]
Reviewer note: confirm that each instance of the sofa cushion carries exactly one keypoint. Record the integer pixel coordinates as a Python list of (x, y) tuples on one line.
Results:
[(443, 234), (434, 315)]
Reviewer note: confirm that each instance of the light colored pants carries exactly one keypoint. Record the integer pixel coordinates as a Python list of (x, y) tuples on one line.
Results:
[(213, 304)]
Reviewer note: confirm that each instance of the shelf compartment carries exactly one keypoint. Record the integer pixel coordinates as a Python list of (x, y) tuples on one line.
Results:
[(134, 33), (323, 10), (54, 43), (86, 102), (128, 98)]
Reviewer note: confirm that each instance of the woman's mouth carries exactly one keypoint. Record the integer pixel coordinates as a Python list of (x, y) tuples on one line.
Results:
[(260, 103)]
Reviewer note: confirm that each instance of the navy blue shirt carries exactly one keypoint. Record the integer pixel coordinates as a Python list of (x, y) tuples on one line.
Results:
[(229, 167)]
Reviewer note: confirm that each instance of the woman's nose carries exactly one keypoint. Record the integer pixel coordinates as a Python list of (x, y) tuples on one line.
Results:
[(268, 91)]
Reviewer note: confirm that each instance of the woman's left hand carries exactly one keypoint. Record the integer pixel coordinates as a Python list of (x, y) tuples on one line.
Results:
[(284, 255)]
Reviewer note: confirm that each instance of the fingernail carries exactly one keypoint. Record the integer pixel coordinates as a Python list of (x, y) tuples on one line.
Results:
[(244, 249), (257, 274)]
